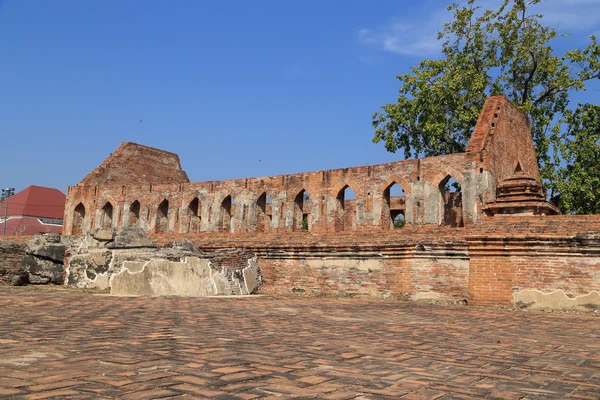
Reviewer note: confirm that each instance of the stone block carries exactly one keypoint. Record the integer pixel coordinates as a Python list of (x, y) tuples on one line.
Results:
[(41, 271), (129, 238), (103, 235)]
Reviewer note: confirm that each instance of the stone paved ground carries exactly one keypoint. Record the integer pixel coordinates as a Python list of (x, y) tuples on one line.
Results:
[(64, 344)]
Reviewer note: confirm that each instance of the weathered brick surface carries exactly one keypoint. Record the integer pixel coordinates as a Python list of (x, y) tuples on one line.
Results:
[(277, 347), (498, 141), (484, 264), (310, 238), (545, 253), (11, 251), (134, 164), (243, 213), (138, 185)]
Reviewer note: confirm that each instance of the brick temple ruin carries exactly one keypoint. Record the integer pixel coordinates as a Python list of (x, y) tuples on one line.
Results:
[(492, 238)]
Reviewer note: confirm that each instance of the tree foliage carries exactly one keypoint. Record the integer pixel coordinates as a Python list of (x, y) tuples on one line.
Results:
[(579, 181), (485, 53)]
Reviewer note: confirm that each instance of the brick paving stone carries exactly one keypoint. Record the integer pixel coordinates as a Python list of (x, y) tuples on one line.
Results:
[(60, 393), (149, 394), (199, 390), (74, 345), (5, 391)]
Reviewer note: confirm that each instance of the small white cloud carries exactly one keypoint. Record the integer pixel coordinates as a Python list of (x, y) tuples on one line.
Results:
[(401, 38)]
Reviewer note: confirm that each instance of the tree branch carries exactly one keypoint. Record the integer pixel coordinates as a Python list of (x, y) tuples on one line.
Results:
[(545, 95), (529, 78)]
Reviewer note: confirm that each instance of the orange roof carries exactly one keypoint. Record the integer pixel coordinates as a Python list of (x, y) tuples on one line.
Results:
[(36, 201)]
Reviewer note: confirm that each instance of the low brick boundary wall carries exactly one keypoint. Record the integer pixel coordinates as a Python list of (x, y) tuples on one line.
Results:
[(487, 263)]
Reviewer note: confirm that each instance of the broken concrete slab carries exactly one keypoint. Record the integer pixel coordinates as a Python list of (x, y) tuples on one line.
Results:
[(131, 265), (191, 278), (89, 270)]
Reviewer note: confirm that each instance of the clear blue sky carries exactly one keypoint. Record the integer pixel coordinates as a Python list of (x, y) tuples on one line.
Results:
[(236, 88)]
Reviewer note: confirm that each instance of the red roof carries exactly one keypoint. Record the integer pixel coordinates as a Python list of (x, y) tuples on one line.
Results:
[(36, 201), (17, 226)]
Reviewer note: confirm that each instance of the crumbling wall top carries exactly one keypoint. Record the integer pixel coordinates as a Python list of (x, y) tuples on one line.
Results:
[(136, 164)]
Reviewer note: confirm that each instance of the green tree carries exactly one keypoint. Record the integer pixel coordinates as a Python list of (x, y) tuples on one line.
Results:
[(485, 53), (578, 182)]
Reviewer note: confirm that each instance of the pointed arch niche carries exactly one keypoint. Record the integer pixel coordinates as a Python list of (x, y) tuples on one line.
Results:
[(302, 206), (78, 220), (106, 216), (451, 194), (393, 210), (346, 210), (264, 213), (227, 209), (162, 217), (134, 214), (194, 211)]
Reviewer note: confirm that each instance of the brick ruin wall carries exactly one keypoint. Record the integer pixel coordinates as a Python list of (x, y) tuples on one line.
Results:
[(277, 203), (310, 238), (492, 262), (12, 250)]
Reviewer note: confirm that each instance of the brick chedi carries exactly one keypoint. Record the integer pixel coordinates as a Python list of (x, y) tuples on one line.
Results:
[(495, 240), (520, 194)]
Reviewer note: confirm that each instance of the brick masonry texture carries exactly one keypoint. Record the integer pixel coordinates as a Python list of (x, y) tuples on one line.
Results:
[(273, 347), (10, 262), (310, 238)]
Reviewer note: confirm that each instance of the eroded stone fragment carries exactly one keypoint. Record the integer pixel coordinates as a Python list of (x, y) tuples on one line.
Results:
[(129, 238)]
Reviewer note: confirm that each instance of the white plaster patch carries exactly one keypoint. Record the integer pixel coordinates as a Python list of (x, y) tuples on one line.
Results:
[(431, 296), (557, 300), (366, 265)]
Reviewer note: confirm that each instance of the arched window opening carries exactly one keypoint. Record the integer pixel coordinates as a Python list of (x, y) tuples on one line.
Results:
[(227, 209), (451, 193), (302, 206), (162, 217), (346, 210), (393, 210), (264, 213), (106, 216), (398, 221), (134, 213), (78, 220), (195, 217)]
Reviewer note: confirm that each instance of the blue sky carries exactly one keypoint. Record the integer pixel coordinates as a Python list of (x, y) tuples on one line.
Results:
[(236, 88)]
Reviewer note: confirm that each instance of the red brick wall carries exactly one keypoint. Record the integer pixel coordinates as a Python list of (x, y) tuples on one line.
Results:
[(546, 253), (150, 176), (484, 264), (368, 183)]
